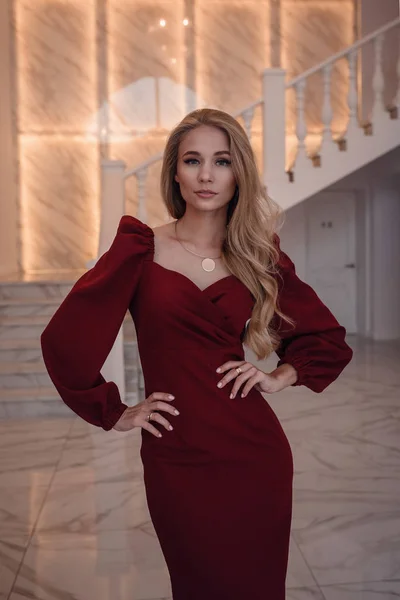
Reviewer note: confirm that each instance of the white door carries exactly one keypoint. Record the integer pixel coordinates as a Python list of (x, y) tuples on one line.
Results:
[(331, 268)]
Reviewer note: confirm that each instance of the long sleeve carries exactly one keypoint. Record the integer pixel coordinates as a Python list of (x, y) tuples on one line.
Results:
[(81, 333), (316, 345)]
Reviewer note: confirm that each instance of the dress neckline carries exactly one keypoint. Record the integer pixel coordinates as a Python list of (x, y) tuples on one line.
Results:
[(190, 280), (202, 291)]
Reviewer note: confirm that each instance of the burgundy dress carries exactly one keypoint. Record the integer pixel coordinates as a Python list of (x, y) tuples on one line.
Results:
[(219, 486)]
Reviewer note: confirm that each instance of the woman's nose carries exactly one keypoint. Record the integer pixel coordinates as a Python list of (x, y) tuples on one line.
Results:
[(205, 174)]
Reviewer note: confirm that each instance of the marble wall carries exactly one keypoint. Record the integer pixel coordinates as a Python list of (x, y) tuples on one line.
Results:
[(105, 78)]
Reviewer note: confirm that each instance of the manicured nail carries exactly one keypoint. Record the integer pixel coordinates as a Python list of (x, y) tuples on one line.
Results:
[(242, 395), (177, 412), (231, 396), (170, 428), (171, 397), (159, 435), (218, 370), (219, 384)]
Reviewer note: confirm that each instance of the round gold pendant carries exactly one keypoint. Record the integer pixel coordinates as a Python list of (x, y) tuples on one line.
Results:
[(208, 264)]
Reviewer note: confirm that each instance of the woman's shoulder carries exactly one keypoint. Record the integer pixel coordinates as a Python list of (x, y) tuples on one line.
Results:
[(133, 237), (129, 224)]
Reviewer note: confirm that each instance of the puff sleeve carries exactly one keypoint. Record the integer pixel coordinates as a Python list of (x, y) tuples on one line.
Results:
[(81, 333), (316, 345)]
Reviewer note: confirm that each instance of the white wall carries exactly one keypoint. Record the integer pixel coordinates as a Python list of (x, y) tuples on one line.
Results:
[(377, 189), (362, 261), (293, 237), (385, 243)]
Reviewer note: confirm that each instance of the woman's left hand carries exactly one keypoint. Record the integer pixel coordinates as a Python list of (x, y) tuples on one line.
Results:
[(269, 383)]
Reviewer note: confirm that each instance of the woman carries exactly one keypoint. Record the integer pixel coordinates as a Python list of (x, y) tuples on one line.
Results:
[(218, 475)]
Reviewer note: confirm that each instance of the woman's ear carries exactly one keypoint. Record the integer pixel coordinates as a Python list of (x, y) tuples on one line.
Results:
[(176, 178)]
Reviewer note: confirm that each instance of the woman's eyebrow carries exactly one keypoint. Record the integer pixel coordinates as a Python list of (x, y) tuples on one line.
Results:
[(199, 154)]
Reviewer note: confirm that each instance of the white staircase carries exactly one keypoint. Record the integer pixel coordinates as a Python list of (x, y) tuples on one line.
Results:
[(295, 166), (25, 386)]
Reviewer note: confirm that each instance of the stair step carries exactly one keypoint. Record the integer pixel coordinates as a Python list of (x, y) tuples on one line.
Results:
[(28, 300), (19, 344), (11, 320), (33, 375), (29, 350), (36, 290), (18, 367), (22, 367), (21, 307), (25, 395), (26, 389), (31, 327)]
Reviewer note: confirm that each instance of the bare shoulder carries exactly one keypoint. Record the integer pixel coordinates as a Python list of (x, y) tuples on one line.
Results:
[(165, 232)]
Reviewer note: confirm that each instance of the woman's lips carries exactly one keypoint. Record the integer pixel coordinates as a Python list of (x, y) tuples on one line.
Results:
[(206, 194)]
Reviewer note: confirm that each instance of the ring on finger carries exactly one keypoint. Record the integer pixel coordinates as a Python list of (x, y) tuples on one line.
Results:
[(148, 418), (239, 370)]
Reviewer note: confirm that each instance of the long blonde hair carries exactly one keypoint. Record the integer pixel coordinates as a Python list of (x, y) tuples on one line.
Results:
[(253, 218)]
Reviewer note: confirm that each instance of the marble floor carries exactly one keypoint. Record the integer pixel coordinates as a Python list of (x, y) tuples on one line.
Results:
[(74, 523)]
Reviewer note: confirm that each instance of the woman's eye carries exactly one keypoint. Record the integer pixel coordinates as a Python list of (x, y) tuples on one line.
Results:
[(223, 161)]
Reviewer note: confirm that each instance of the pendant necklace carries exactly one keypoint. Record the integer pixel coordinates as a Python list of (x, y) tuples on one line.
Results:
[(207, 263)]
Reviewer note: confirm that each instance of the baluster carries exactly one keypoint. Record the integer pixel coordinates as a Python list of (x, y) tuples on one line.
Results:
[(248, 116), (378, 82), (301, 127), (352, 98), (327, 112), (141, 177)]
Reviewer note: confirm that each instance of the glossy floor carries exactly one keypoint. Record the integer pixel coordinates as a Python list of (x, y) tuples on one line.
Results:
[(74, 522)]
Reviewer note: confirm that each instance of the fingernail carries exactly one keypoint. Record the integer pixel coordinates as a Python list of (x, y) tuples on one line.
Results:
[(218, 370), (231, 396), (159, 435), (177, 412), (219, 384), (171, 397), (242, 395), (170, 428)]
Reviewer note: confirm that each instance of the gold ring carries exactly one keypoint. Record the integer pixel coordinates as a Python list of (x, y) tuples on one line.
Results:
[(239, 370), (149, 416)]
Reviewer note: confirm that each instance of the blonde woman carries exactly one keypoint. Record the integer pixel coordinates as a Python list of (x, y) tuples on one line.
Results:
[(217, 465)]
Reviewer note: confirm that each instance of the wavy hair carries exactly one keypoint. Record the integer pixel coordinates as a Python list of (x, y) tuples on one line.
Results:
[(253, 218)]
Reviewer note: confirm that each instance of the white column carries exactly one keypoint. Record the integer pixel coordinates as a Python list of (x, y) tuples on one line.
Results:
[(9, 232), (141, 177), (274, 128), (385, 280), (112, 209), (112, 201)]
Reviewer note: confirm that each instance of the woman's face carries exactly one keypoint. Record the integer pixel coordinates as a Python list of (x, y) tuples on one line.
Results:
[(204, 170)]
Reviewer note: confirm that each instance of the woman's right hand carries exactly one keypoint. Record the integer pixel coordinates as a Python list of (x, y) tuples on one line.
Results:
[(136, 416)]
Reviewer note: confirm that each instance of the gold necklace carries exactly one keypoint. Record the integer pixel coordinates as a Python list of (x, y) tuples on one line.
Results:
[(208, 264)]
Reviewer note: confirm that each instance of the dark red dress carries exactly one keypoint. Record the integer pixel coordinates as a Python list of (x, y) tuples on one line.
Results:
[(219, 486)]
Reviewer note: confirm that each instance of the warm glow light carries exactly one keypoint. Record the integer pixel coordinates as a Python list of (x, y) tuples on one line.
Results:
[(48, 143), (163, 22)]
